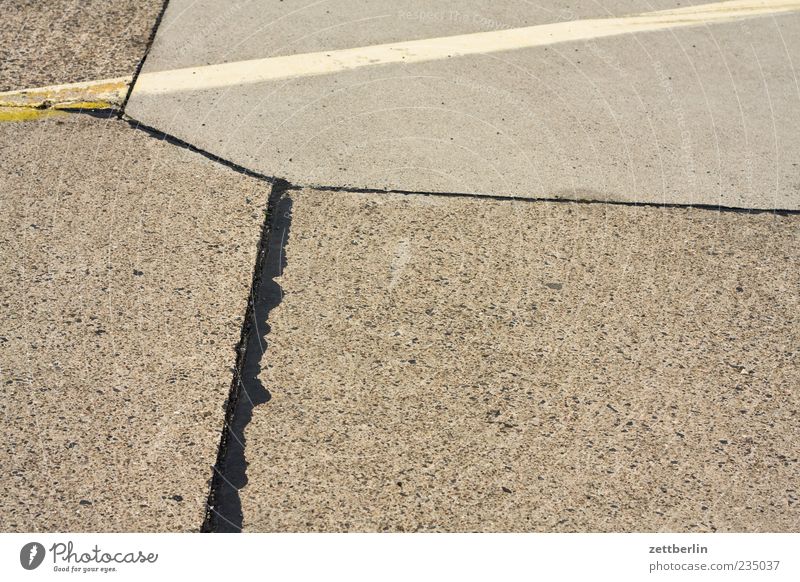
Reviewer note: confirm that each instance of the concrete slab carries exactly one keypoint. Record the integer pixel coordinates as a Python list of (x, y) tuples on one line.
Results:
[(463, 364), (61, 41), (706, 115), (124, 277), (199, 32)]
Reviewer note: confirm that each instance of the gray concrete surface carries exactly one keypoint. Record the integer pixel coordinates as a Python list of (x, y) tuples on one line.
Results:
[(201, 32), (468, 364), (436, 363), (64, 41), (124, 277), (708, 115)]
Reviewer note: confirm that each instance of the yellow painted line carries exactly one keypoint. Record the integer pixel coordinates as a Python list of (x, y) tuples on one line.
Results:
[(102, 94), (27, 113), (416, 51)]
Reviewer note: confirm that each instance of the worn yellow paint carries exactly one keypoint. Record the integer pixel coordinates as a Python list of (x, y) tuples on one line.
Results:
[(27, 113), (109, 92), (84, 105), (37, 103)]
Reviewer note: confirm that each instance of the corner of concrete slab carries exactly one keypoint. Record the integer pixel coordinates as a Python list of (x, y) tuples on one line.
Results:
[(149, 45)]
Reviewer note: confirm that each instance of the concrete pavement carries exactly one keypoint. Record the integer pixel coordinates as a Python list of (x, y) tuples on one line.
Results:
[(412, 362), (60, 41), (707, 114), (126, 268), (458, 364)]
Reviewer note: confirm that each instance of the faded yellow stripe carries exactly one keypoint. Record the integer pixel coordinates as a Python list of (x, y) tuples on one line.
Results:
[(27, 113), (102, 94)]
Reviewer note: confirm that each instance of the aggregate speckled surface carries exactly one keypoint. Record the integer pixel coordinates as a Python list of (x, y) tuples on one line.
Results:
[(65, 41), (459, 364), (124, 276)]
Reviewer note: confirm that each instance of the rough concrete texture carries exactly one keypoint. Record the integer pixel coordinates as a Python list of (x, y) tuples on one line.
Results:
[(124, 277), (704, 115), (65, 41), (456, 364)]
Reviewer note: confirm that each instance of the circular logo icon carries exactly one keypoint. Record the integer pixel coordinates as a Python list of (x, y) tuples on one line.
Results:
[(31, 555)]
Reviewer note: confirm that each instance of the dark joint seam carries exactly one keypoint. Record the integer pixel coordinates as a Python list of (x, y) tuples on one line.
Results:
[(138, 69), (290, 186), (223, 508)]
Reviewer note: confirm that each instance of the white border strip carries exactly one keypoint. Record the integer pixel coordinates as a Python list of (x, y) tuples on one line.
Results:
[(368, 557)]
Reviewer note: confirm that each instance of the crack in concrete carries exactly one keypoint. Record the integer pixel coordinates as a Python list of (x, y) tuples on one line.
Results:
[(149, 45), (224, 508), (559, 200)]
